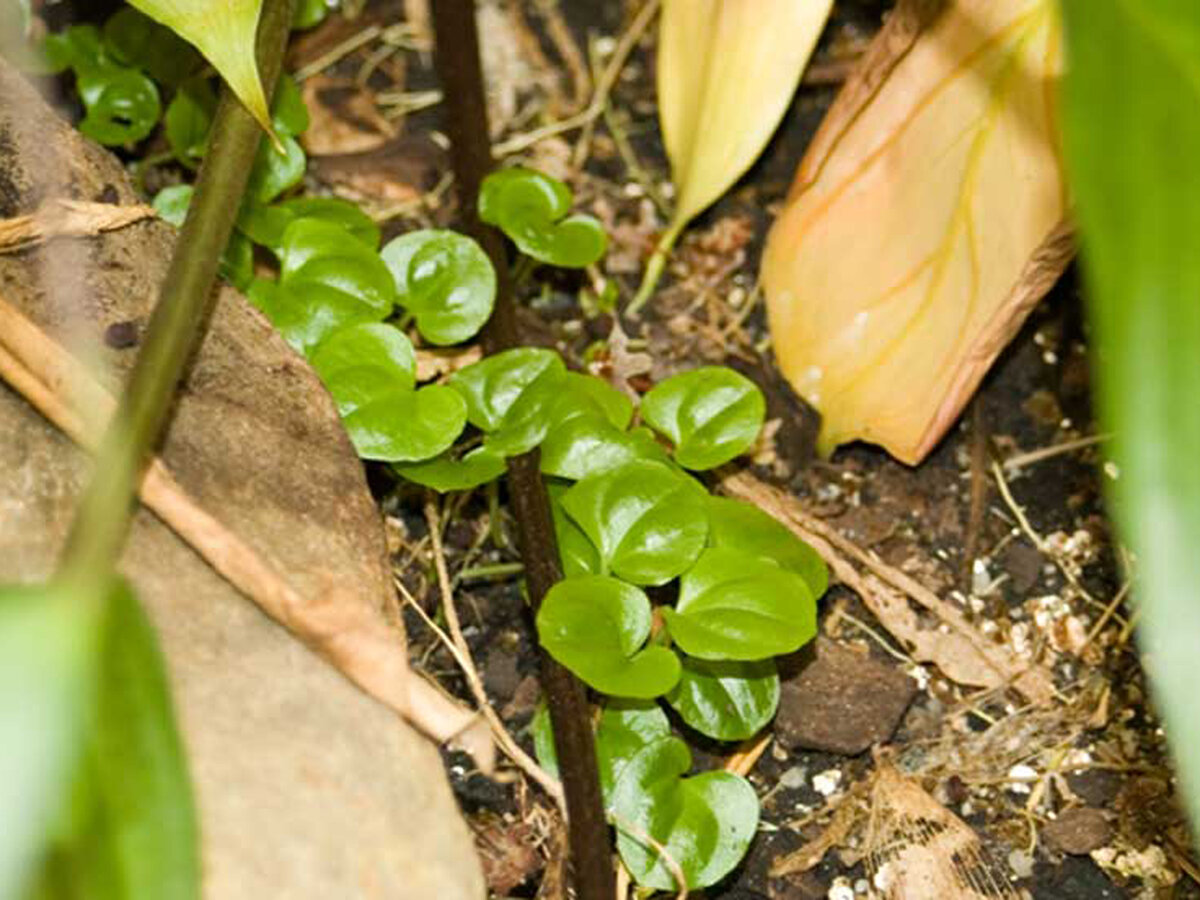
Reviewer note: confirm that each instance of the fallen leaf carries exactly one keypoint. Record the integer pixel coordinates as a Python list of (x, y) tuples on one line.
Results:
[(926, 219), (342, 118)]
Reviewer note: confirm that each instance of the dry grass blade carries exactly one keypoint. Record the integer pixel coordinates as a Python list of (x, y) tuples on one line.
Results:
[(67, 218), (361, 646)]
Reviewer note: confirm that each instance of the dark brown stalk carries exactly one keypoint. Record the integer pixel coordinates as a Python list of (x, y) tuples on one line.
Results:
[(460, 72)]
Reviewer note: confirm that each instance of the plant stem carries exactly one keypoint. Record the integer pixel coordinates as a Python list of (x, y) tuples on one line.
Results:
[(102, 521), (655, 267), (462, 83)]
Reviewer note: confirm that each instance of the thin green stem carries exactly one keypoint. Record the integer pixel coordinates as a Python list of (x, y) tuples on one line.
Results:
[(655, 267), (185, 300)]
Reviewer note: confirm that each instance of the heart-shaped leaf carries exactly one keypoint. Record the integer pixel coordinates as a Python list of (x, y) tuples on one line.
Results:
[(625, 727), (735, 606), (122, 105), (736, 525), (596, 626), (342, 213), (728, 700), (47, 658), (134, 39), (711, 414), (616, 407), (647, 522), (579, 555), (188, 118), (531, 208), (447, 473), (369, 369), (306, 318), (276, 168), (444, 279), (492, 385), (587, 445), (705, 823), (225, 32)]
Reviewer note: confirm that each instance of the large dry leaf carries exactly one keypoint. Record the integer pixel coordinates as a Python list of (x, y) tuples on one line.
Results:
[(925, 221), (727, 70)]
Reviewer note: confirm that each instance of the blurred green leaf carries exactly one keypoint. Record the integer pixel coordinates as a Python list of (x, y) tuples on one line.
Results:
[(276, 169), (647, 523), (450, 472), (727, 700), (188, 118), (289, 115), (711, 414), (531, 208), (310, 13), (736, 606), (596, 626), (1133, 140), (705, 822), (135, 39), (343, 213), (444, 279), (171, 203), (47, 664)]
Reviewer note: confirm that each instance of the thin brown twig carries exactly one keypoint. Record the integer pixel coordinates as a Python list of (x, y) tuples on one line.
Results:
[(463, 657)]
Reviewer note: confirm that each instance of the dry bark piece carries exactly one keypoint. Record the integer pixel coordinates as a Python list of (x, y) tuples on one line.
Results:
[(842, 702), (926, 220), (67, 218), (306, 787)]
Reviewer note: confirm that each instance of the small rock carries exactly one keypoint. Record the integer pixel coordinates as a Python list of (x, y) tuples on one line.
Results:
[(1078, 831), (842, 702), (1024, 565), (500, 675)]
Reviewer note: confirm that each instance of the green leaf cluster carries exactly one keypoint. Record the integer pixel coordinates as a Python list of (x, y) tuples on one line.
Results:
[(534, 210)]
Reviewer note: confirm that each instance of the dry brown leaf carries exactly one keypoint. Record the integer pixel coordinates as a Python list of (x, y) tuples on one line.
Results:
[(927, 218), (67, 218), (918, 849), (343, 118)]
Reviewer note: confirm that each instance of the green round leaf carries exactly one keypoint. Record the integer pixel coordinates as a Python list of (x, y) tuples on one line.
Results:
[(530, 207), (586, 445), (735, 606), (447, 473), (80, 46), (362, 356), (444, 279), (312, 312), (705, 823), (187, 120), (616, 407), (171, 203), (137, 40), (407, 426), (492, 385), (289, 115), (626, 726), (276, 170), (728, 700), (264, 225), (339, 212), (122, 105), (310, 13), (596, 626), (711, 415), (648, 524), (579, 556), (736, 525)]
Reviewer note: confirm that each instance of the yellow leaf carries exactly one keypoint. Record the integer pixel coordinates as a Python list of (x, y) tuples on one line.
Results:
[(926, 220), (727, 70), (224, 31)]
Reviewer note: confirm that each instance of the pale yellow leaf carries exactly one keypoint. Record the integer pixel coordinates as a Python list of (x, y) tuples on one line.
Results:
[(727, 70), (926, 220), (224, 31)]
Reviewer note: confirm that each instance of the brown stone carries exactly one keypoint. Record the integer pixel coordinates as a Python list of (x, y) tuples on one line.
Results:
[(1078, 831), (842, 701)]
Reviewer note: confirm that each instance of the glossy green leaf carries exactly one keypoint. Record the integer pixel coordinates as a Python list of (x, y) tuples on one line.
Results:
[(171, 203), (587, 445), (625, 727), (616, 407), (369, 370), (79, 46), (135, 39), (711, 415), (224, 31), (445, 280), (188, 118), (121, 105), (306, 318), (289, 115), (735, 606), (532, 209), (736, 525), (131, 832), (596, 626), (1132, 140), (450, 473), (492, 385), (264, 224), (727, 700), (648, 524), (310, 13), (342, 213), (47, 659), (578, 555), (705, 822), (276, 169), (543, 738)]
